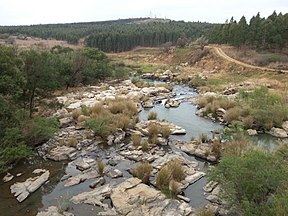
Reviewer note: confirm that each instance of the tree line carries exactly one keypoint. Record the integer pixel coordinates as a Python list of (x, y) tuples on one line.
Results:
[(27, 77), (264, 33), (126, 34)]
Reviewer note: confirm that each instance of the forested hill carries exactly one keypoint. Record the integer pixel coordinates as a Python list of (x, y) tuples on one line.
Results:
[(125, 34), (117, 35)]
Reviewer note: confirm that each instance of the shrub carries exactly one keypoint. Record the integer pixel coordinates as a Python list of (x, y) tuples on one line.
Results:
[(250, 180), (165, 131), (39, 130), (121, 121), (216, 148), (13, 154), (76, 113), (99, 126), (176, 169), (100, 166), (153, 131), (85, 110), (232, 114), (97, 108), (237, 146), (145, 146), (248, 122), (82, 118), (136, 139), (152, 116), (203, 138), (173, 188), (163, 178), (143, 172), (72, 142), (205, 212)]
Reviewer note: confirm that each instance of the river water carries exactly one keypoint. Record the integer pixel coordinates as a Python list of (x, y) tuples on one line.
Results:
[(54, 192)]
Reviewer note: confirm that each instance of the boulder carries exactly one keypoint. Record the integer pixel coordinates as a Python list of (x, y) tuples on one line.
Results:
[(210, 186), (22, 190), (148, 104), (128, 198), (94, 197), (74, 180), (285, 126), (278, 132), (115, 173), (60, 153), (8, 177), (252, 132)]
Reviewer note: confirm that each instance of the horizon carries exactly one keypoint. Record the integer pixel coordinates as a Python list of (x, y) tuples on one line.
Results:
[(30, 12)]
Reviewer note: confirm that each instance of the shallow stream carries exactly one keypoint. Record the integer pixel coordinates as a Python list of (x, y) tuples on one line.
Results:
[(54, 192)]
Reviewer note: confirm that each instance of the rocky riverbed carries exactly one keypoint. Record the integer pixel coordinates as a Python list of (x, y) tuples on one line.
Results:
[(84, 190)]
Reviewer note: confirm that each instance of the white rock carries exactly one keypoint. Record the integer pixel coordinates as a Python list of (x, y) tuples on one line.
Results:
[(8, 177)]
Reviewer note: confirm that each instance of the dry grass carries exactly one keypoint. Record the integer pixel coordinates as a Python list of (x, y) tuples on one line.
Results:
[(205, 212), (136, 139), (174, 188), (97, 108), (165, 131), (204, 101), (76, 113), (72, 142), (145, 146), (176, 169), (82, 118), (216, 148), (163, 178), (100, 167), (143, 172), (203, 138), (121, 121), (121, 105), (232, 114), (153, 131), (248, 122), (152, 116), (238, 146)]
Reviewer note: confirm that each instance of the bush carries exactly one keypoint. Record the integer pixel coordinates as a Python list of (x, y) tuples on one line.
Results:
[(153, 131), (85, 110), (136, 139), (176, 170), (121, 121), (216, 148), (39, 130), (250, 180), (13, 154), (152, 116), (165, 131), (203, 138), (100, 166), (163, 178), (232, 114), (145, 146), (248, 122), (76, 113), (99, 126), (143, 172), (238, 146)]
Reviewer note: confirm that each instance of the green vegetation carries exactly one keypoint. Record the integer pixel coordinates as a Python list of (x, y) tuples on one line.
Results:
[(252, 181), (29, 76), (259, 33)]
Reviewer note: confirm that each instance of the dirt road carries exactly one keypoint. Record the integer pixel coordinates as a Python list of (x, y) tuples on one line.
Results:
[(222, 54)]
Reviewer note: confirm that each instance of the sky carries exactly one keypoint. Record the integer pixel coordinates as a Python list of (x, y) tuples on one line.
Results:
[(28, 12)]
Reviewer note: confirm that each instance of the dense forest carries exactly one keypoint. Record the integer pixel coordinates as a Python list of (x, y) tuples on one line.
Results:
[(269, 33), (126, 34), (27, 79)]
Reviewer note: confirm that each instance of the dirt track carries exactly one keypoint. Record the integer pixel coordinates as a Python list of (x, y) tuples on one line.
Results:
[(222, 54)]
